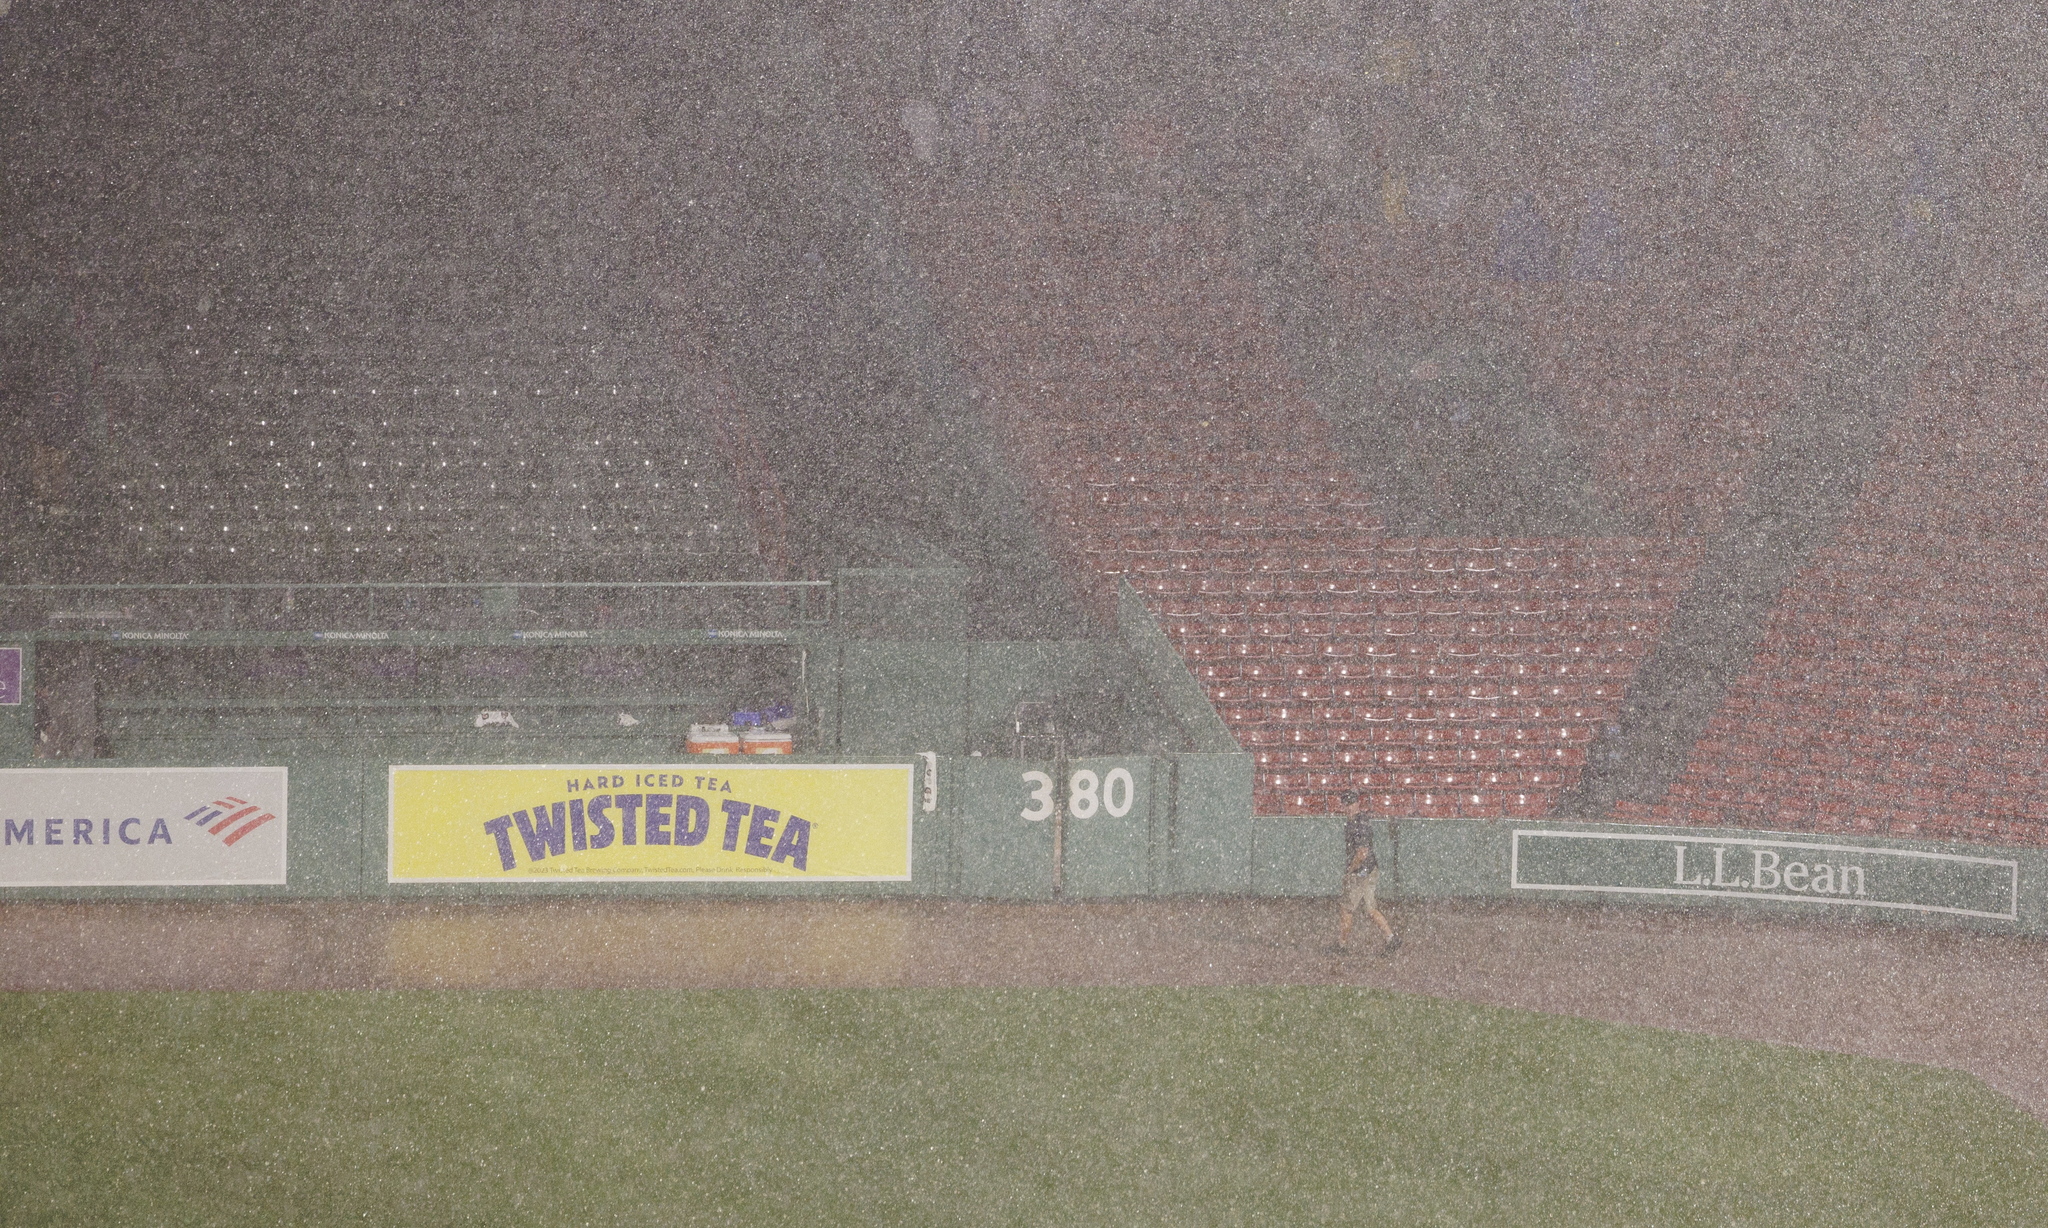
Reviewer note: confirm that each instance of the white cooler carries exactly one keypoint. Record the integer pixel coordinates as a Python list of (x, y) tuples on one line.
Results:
[(711, 740)]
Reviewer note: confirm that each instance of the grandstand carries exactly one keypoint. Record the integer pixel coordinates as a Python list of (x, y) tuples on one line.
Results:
[(1564, 436), (320, 468), (1437, 676), (766, 507), (1893, 691)]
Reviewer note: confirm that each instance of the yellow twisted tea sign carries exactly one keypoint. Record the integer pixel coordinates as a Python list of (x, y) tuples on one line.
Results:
[(584, 822)]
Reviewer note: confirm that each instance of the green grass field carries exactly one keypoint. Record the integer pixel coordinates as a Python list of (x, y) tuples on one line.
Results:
[(1070, 1106)]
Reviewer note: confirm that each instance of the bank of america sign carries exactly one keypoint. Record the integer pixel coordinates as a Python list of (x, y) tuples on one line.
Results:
[(1799, 872)]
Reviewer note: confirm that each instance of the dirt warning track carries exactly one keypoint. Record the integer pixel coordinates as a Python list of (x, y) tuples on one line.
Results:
[(1968, 1001)]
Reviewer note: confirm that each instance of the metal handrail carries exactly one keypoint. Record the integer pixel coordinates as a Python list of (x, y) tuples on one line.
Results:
[(8, 588), (314, 592)]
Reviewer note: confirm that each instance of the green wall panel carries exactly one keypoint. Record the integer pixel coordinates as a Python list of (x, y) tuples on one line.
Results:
[(1443, 858), (1211, 836), (896, 698), (1001, 855), (933, 836), (1105, 854), (1297, 856), (324, 854)]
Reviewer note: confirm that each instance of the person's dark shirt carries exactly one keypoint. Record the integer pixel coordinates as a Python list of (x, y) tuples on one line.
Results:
[(1357, 836)]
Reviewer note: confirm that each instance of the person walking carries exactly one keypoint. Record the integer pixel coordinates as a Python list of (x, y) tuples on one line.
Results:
[(1361, 879)]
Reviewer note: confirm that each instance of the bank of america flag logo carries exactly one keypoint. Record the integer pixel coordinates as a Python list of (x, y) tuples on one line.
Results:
[(220, 816)]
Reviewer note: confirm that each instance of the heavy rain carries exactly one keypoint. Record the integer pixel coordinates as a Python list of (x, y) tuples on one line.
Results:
[(1022, 611)]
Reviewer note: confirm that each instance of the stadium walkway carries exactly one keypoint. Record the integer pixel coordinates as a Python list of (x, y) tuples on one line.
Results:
[(1974, 1002)]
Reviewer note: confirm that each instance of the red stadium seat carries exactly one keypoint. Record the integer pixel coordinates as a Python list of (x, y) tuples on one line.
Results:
[(1480, 804), (1434, 804), (1311, 803)]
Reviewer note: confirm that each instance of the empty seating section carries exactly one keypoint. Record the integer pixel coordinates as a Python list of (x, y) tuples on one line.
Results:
[(1437, 678), (1087, 332), (1128, 367), (1680, 380), (281, 466), (1899, 689)]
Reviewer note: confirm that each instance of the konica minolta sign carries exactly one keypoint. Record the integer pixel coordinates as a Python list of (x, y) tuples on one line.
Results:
[(1795, 871)]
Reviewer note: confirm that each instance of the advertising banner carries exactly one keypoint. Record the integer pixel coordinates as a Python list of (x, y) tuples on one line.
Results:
[(612, 822), (142, 827), (1859, 876)]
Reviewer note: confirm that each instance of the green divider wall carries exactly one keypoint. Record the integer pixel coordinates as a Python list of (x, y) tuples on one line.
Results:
[(1210, 840), (901, 603), (1165, 676), (1177, 830), (1297, 856), (894, 695), (324, 856), (962, 698), (1081, 678), (998, 854), (1210, 843), (890, 681)]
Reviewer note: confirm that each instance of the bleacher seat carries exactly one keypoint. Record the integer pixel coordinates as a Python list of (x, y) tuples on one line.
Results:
[(276, 461), (1265, 561), (1895, 690)]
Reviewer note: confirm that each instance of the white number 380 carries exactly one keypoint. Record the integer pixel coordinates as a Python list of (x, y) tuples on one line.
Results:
[(1087, 793)]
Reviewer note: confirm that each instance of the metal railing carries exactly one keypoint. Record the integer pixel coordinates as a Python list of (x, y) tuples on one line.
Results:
[(526, 608)]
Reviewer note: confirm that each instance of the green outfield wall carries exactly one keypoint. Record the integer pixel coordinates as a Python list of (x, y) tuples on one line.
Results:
[(1123, 826), (1779, 873), (912, 782)]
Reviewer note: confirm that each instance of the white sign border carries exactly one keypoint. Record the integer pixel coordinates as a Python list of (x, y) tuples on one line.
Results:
[(283, 813), (391, 825), (1515, 870)]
